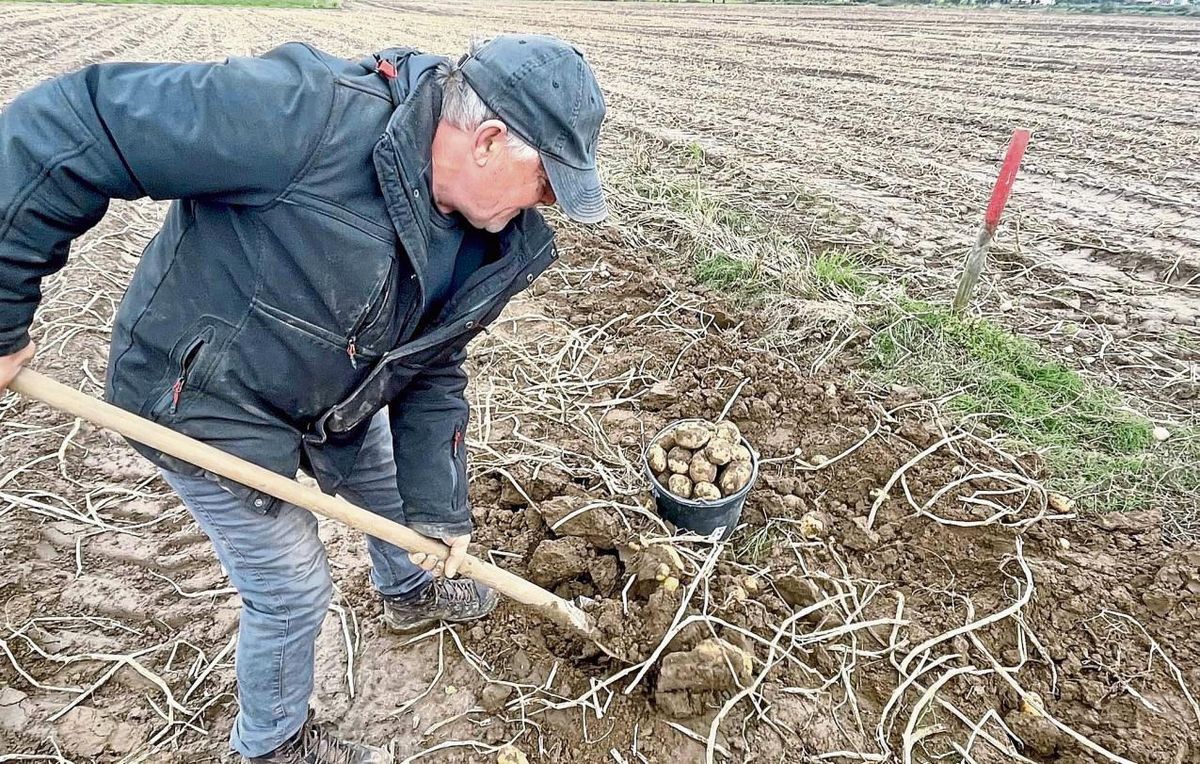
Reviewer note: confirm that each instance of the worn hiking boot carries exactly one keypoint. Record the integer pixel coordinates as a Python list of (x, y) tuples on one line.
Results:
[(316, 744), (445, 599)]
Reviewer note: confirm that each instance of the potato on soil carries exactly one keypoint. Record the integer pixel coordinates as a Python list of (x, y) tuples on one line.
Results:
[(702, 470), (679, 459), (811, 526), (1032, 704), (510, 754), (657, 458), (680, 486), (734, 478), (692, 435), (719, 452), (706, 492), (728, 432)]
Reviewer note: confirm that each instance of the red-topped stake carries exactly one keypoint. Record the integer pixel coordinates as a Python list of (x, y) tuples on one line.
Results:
[(1004, 183)]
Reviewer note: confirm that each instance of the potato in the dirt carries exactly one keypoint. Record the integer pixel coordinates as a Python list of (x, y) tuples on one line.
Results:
[(680, 486), (706, 492), (657, 458), (679, 459), (734, 478), (811, 525), (692, 435), (728, 432), (702, 470), (718, 451)]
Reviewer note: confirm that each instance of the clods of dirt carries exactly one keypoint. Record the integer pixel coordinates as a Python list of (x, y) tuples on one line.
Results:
[(691, 680), (555, 561), (583, 516)]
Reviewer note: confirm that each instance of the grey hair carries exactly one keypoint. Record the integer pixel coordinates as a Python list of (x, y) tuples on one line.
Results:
[(462, 106)]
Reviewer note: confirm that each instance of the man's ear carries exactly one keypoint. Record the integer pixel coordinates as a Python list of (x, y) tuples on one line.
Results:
[(489, 137)]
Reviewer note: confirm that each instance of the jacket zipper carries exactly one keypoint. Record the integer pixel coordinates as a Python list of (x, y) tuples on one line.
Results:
[(368, 315), (415, 346), (455, 444), (352, 341), (189, 356), (445, 333)]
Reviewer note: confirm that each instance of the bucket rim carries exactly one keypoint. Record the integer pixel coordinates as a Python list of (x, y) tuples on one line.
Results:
[(656, 487)]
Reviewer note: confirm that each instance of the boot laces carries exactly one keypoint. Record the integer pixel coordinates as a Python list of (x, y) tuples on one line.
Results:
[(455, 590), (319, 742)]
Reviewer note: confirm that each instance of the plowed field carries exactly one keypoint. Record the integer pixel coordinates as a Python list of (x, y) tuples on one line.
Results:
[(952, 609)]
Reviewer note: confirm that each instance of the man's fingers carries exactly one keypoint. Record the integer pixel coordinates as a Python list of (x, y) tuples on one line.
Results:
[(427, 562), (448, 566), (458, 552), (422, 560), (12, 363)]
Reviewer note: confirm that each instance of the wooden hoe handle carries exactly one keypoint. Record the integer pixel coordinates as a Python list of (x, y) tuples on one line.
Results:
[(40, 387)]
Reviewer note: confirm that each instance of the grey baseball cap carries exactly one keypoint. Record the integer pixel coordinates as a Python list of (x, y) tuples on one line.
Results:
[(544, 90)]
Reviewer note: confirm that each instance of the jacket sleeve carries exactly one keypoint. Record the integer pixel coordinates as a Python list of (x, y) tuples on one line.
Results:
[(429, 424), (237, 131)]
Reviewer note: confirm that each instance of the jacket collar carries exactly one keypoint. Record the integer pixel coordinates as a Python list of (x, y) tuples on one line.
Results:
[(403, 152)]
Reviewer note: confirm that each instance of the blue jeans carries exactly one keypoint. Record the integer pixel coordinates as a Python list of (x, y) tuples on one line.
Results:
[(278, 565)]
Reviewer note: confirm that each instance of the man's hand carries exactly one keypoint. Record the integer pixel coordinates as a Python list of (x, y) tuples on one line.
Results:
[(448, 566), (12, 363)]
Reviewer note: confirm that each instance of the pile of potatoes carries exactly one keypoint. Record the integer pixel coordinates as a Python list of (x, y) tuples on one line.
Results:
[(700, 460)]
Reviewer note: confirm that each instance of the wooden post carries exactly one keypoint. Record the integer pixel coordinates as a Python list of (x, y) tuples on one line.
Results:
[(973, 267)]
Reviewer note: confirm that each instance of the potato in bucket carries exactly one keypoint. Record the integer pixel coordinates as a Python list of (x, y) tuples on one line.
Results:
[(709, 470)]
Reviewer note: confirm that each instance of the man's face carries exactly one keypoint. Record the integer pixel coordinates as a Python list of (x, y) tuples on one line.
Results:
[(495, 184)]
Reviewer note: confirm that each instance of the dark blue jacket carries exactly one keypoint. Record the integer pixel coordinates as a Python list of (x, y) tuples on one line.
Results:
[(281, 303)]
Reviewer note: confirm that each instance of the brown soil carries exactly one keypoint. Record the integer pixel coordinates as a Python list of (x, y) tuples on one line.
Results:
[(107, 582)]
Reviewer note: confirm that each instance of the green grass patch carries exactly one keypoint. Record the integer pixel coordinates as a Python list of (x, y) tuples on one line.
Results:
[(323, 4), (695, 155), (835, 270), (723, 272), (1095, 446)]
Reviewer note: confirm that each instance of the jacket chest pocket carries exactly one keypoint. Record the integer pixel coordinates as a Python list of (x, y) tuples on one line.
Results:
[(332, 271), (380, 325)]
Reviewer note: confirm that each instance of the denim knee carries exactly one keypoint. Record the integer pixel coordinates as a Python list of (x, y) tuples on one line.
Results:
[(308, 598), (302, 599), (323, 596)]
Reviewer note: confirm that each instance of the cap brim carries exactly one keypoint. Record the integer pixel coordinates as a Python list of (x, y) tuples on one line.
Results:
[(578, 191)]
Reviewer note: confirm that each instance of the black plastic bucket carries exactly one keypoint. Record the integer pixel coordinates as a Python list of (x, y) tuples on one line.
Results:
[(718, 517)]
